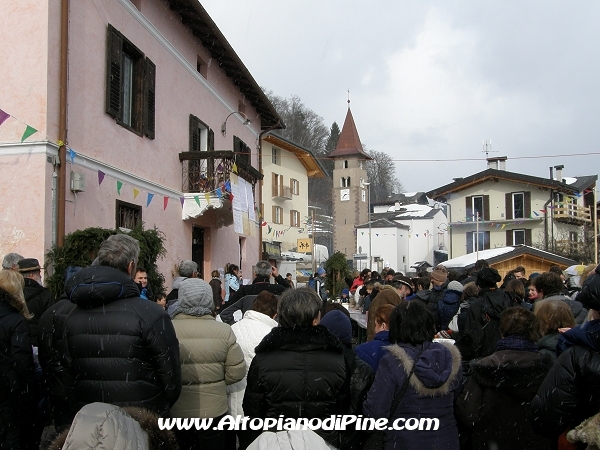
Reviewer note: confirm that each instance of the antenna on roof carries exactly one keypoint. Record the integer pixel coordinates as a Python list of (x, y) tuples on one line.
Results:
[(487, 148), (348, 98)]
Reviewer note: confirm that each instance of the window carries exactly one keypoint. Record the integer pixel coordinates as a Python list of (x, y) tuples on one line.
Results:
[(363, 194), (518, 205), (478, 206), (518, 237), (130, 85), (202, 138), (276, 184), (277, 215), (573, 237), (275, 156), (478, 241), (201, 66), (200, 172), (294, 218), (295, 187), (345, 165), (345, 182), (242, 151), (128, 215)]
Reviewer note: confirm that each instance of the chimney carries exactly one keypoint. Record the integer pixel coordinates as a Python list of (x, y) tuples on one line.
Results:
[(498, 163), (559, 173), (551, 173), (492, 163)]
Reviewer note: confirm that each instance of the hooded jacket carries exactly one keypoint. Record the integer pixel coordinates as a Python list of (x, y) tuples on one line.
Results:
[(38, 299), (571, 391), (496, 400), (299, 372), (590, 291), (121, 349), (430, 394)]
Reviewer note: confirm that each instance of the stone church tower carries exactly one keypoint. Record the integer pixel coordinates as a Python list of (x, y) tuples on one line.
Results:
[(350, 202)]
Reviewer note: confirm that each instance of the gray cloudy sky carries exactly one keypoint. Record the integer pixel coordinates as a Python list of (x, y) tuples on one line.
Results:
[(430, 80)]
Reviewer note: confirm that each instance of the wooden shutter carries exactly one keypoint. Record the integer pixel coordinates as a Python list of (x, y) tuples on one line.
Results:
[(470, 246), (274, 185), (486, 240), (149, 98), (486, 207), (509, 208), (509, 237), (469, 209), (528, 237), (291, 218), (211, 141), (194, 134), (527, 206), (274, 214), (114, 62)]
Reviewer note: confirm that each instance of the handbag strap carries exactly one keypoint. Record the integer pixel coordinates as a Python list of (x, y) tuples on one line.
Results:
[(400, 394)]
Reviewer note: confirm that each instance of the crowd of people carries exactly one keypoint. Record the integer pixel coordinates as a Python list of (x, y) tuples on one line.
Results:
[(498, 362)]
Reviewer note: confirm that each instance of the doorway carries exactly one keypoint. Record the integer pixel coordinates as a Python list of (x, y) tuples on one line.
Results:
[(198, 249)]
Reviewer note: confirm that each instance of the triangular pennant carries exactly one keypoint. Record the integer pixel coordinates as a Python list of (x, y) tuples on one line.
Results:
[(503, 226), (100, 177), (119, 186), (264, 224), (29, 130), (3, 116), (269, 229), (136, 192), (207, 197), (150, 197), (72, 154), (228, 186), (219, 193), (231, 197), (197, 200), (234, 168), (165, 203), (182, 201)]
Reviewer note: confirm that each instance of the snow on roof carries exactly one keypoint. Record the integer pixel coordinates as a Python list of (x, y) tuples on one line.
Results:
[(409, 194), (569, 180), (414, 210), (471, 258)]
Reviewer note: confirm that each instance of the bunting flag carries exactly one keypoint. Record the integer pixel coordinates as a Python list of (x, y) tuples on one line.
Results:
[(219, 194), (182, 201), (543, 210), (503, 226), (29, 130), (72, 154), (207, 197), (3, 116), (234, 168), (136, 192), (197, 200), (264, 224), (150, 197), (100, 177), (230, 196), (228, 186), (119, 186), (165, 203), (269, 230)]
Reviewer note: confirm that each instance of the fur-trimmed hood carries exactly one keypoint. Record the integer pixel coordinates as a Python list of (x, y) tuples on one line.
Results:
[(436, 370), (300, 339), (516, 373), (103, 426)]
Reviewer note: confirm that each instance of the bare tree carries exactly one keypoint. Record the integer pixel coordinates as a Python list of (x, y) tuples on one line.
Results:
[(381, 172)]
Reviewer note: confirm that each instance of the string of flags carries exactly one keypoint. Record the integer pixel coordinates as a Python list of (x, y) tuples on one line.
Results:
[(29, 130)]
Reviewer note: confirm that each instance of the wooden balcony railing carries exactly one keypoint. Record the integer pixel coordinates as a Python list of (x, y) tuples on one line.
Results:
[(207, 171), (572, 213), (282, 192)]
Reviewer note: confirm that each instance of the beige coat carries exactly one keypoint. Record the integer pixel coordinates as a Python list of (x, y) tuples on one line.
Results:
[(210, 360)]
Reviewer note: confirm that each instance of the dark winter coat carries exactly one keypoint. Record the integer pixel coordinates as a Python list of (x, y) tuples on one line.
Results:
[(496, 400), (571, 391), (18, 384), (432, 298), (121, 348), (448, 307), (372, 351), (579, 312), (547, 344), (590, 291), (481, 331), (299, 372), (243, 304), (215, 285), (431, 393), (38, 299)]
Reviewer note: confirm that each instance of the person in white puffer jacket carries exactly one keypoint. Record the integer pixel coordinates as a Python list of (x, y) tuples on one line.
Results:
[(249, 332)]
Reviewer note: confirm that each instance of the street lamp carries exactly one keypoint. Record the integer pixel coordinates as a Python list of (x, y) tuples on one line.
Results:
[(368, 185), (224, 124)]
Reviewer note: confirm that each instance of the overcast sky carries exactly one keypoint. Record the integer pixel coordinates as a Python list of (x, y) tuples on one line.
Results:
[(431, 80)]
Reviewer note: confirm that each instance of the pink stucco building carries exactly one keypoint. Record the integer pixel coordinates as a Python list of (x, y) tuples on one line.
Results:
[(148, 85)]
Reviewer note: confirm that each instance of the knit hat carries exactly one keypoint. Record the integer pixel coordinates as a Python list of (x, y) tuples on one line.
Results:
[(455, 286), (194, 297), (339, 325), (439, 273), (488, 277), (321, 271), (345, 291)]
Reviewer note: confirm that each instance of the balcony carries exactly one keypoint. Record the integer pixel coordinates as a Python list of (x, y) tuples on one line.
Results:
[(573, 214), (207, 171), (282, 193)]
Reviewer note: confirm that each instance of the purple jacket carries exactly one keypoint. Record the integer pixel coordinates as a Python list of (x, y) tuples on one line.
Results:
[(431, 393)]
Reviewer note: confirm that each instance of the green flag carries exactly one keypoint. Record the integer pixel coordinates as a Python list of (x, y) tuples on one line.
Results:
[(28, 132), (119, 186)]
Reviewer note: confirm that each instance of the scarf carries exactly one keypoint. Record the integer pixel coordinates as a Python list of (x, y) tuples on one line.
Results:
[(516, 342)]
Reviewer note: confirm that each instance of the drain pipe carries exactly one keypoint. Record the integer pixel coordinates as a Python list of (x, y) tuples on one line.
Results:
[(62, 126)]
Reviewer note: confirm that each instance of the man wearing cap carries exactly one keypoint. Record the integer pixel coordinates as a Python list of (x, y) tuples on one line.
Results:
[(434, 297), (37, 297), (402, 285)]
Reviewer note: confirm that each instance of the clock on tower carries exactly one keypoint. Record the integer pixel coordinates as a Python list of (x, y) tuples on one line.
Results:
[(344, 194)]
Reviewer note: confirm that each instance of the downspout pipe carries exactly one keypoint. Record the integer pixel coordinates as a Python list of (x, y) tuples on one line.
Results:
[(62, 125), (546, 237), (260, 184)]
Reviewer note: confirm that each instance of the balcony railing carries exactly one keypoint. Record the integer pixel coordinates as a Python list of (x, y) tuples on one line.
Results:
[(207, 171), (282, 192), (572, 213)]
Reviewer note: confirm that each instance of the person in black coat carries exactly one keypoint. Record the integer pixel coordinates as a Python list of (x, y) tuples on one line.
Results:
[(37, 297), (18, 384), (299, 370), (121, 349), (571, 391), (495, 403)]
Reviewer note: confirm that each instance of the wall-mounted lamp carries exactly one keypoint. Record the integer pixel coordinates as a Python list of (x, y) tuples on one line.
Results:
[(224, 125)]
